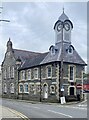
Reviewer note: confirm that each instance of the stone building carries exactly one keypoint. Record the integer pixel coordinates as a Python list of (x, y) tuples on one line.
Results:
[(44, 76)]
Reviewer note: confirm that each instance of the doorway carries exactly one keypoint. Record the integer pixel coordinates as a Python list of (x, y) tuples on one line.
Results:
[(71, 90), (45, 91)]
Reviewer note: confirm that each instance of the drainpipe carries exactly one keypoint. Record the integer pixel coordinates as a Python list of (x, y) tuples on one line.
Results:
[(40, 83)]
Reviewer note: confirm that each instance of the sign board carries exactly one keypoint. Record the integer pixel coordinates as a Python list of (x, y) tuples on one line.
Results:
[(79, 86), (63, 100), (85, 87)]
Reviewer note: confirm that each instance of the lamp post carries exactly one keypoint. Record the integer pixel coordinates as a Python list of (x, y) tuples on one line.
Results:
[(61, 26)]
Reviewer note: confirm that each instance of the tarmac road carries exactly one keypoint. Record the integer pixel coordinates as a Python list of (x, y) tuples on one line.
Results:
[(42, 110)]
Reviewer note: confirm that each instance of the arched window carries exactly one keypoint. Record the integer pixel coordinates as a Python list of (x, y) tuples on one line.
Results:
[(11, 88), (49, 71), (5, 88), (23, 75), (36, 73), (52, 50), (70, 49), (29, 74), (52, 89), (9, 71), (12, 71)]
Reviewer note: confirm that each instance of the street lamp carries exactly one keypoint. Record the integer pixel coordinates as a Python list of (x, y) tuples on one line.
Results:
[(2, 19), (61, 26), (5, 20)]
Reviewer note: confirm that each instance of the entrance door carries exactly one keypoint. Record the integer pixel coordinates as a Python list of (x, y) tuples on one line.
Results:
[(45, 91), (71, 90)]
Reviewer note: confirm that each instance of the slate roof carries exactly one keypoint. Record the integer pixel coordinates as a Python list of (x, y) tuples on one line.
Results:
[(67, 57), (63, 17), (45, 58), (35, 61), (23, 54)]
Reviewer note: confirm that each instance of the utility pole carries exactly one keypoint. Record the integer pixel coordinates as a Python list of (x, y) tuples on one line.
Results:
[(62, 63)]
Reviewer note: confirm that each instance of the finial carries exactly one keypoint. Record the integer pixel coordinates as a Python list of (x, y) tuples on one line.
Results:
[(63, 9), (9, 39)]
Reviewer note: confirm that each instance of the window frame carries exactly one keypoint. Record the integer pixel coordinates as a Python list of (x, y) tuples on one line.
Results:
[(36, 73), (12, 88), (50, 72), (29, 73), (5, 88), (21, 84), (12, 71), (23, 77), (72, 80), (9, 71), (26, 84)]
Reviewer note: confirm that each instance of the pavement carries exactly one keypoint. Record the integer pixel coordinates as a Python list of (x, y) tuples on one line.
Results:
[(6, 112)]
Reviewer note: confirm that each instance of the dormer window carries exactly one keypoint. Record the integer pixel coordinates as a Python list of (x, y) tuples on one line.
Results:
[(70, 49), (52, 50)]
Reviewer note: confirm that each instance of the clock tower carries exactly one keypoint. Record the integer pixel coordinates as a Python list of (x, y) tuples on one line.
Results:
[(63, 28)]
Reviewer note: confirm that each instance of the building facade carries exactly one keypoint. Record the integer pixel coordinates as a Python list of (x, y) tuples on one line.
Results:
[(44, 76)]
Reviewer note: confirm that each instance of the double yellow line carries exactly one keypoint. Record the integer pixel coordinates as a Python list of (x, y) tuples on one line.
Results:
[(18, 113)]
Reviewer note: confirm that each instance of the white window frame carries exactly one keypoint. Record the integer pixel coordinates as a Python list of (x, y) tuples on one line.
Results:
[(47, 71), (36, 74), (11, 88), (25, 88), (29, 74), (72, 80), (23, 74), (22, 88), (5, 88)]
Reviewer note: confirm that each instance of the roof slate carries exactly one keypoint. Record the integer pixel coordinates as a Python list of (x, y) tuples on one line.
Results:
[(47, 57), (23, 54), (35, 61), (67, 57)]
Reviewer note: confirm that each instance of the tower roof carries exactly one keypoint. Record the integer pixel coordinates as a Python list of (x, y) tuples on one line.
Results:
[(63, 17)]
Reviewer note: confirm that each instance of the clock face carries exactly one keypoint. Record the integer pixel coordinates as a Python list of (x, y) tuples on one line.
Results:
[(67, 27), (59, 27)]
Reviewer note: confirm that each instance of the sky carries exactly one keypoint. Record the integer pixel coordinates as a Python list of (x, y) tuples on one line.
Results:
[(31, 25)]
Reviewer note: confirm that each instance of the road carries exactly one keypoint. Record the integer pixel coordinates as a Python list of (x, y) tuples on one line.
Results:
[(42, 110)]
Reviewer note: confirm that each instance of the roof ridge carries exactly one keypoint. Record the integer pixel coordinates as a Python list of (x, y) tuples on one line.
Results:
[(26, 51)]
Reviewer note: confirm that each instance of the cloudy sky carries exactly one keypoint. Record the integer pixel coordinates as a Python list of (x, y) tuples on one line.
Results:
[(31, 25)]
